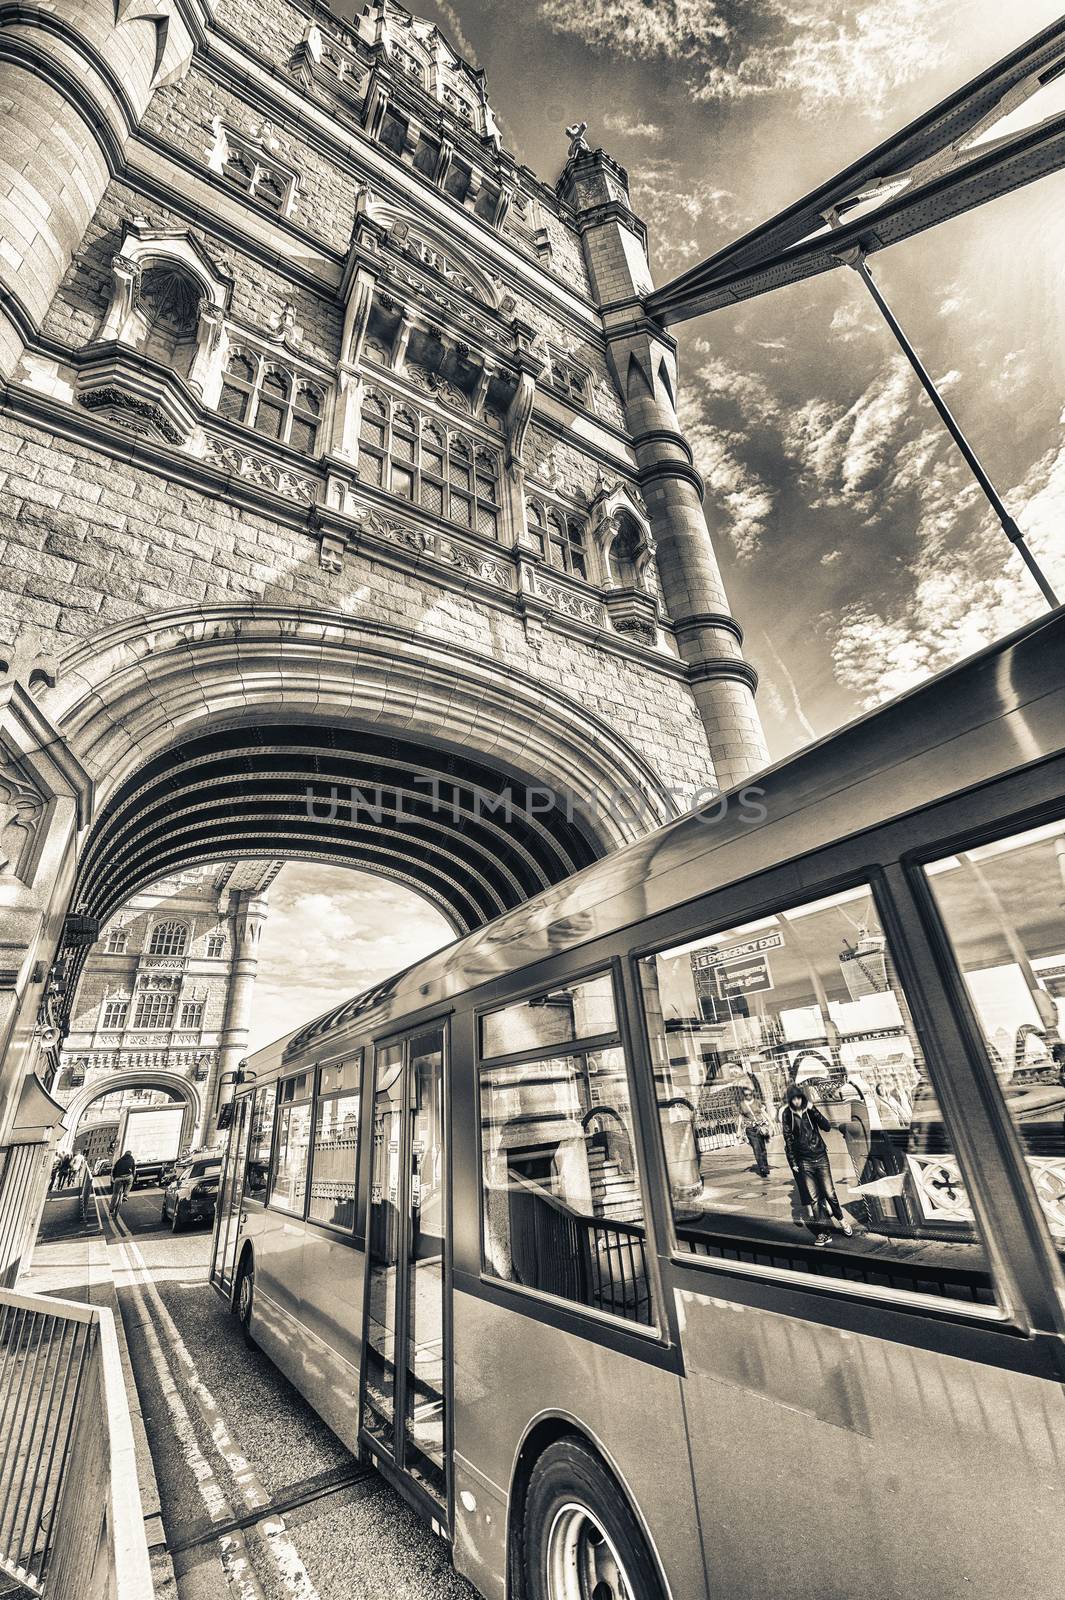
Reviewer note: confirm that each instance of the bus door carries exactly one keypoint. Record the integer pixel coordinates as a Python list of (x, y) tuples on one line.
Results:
[(231, 1195), (406, 1367)]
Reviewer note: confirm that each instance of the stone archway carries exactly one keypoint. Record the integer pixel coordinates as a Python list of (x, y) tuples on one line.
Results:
[(172, 1083), (220, 732)]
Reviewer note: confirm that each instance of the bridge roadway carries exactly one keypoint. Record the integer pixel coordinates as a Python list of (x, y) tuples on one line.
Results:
[(259, 1500)]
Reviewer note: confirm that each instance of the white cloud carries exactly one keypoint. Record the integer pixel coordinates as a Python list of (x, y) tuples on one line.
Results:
[(678, 210), (618, 122), (862, 52), (968, 588), (331, 932), (723, 412)]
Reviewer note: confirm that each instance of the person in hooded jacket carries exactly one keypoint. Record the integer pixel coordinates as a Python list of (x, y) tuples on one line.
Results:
[(803, 1127)]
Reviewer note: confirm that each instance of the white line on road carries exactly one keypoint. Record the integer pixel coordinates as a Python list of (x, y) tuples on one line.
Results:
[(293, 1573)]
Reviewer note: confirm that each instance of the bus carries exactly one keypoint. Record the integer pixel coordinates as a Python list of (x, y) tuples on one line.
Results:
[(534, 1225)]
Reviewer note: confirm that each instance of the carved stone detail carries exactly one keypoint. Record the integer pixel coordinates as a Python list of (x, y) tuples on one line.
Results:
[(247, 464), (21, 809)]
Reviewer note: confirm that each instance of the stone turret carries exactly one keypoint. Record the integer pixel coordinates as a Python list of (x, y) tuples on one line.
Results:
[(644, 364), (75, 78)]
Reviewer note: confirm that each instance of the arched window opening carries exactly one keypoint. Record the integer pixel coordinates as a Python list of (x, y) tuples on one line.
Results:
[(623, 556), (410, 456), (169, 939), (167, 312), (216, 945), (116, 942), (271, 399)]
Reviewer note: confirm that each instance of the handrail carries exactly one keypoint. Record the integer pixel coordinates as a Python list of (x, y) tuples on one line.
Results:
[(71, 1521)]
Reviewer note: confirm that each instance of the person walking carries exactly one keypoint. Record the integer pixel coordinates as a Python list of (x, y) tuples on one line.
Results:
[(123, 1175), (803, 1127), (757, 1129)]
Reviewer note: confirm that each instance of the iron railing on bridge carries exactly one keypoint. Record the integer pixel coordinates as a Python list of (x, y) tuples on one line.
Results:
[(71, 1523)]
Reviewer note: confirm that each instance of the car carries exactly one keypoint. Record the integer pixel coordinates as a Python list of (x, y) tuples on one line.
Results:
[(190, 1195), (102, 1167), (170, 1171)]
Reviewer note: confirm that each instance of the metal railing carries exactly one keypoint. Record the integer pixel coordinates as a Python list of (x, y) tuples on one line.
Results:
[(71, 1523), (593, 1261)]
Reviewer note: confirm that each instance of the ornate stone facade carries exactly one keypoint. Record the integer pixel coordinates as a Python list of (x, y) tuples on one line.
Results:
[(320, 412), (166, 989)]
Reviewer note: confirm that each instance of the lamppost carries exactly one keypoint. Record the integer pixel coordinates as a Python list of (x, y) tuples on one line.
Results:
[(855, 259)]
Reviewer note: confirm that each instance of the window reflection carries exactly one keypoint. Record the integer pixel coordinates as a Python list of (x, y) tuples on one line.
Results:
[(262, 1129), (336, 1146), (289, 1185), (1003, 909), (563, 1210), (800, 1126)]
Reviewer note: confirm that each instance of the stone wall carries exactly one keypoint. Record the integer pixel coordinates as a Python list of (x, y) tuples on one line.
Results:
[(87, 542)]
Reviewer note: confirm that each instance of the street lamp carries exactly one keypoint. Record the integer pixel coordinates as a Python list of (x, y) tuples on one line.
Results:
[(855, 258)]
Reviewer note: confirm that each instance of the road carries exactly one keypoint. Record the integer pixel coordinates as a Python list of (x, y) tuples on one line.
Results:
[(260, 1501)]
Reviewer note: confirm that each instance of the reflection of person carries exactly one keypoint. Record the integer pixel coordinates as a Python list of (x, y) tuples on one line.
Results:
[(803, 1126), (757, 1129)]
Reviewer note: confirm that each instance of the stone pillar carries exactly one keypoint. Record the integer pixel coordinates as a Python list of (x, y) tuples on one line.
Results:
[(45, 800), (643, 360), (247, 913), (75, 76)]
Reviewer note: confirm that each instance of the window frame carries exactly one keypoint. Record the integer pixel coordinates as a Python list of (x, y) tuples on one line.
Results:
[(114, 1027), (279, 1106), (556, 1309), (298, 380), (961, 1004), (750, 907), (556, 537), (237, 148), (144, 997), (166, 928), (349, 1235), (468, 456)]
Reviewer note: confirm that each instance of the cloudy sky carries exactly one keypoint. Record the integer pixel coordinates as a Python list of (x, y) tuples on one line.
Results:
[(856, 551)]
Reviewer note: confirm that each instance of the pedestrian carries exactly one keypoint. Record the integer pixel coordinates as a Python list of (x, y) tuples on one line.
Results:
[(803, 1126), (53, 1178), (757, 1129), (123, 1175), (65, 1166)]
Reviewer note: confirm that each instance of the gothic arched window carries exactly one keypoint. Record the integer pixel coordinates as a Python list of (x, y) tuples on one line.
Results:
[(116, 941), (168, 939), (414, 457), (272, 399), (557, 536), (216, 945)]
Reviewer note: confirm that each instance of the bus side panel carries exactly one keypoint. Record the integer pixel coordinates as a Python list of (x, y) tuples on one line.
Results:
[(835, 1464), (511, 1369), (332, 1297), (277, 1242)]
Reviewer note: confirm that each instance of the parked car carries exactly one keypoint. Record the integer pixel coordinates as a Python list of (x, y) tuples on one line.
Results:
[(190, 1195), (102, 1167)]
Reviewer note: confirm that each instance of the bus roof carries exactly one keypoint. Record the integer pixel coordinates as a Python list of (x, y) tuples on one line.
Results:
[(1001, 709)]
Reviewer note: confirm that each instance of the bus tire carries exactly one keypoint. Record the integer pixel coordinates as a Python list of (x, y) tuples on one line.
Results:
[(580, 1534), (243, 1297)]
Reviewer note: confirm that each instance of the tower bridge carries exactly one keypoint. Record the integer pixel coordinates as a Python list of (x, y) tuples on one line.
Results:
[(340, 457)]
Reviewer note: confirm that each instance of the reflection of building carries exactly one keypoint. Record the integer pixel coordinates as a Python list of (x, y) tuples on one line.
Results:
[(167, 988)]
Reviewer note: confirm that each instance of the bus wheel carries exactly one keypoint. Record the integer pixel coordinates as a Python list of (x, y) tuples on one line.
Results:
[(582, 1542), (244, 1296)]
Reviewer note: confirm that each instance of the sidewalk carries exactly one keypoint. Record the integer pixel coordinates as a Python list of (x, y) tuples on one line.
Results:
[(71, 1261)]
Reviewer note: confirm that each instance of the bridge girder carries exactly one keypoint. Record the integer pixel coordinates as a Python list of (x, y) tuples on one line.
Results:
[(928, 173)]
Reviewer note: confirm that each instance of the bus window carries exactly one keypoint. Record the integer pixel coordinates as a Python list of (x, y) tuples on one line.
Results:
[(800, 1126), (563, 1210), (1003, 909), (336, 1145), (262, 1131), (578, 1011), (289, 1184)]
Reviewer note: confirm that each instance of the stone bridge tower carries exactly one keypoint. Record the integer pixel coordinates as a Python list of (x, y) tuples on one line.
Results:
[(338, 459)]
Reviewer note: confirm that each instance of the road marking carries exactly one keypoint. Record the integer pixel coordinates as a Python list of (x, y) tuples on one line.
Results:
[(233, 1552), (294, 1575)]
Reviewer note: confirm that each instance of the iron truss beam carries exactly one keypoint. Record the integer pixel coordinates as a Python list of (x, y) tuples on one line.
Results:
[(935, 169)]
